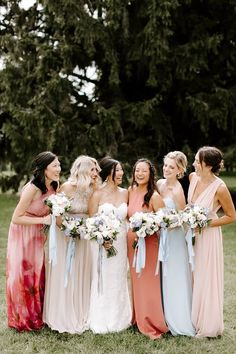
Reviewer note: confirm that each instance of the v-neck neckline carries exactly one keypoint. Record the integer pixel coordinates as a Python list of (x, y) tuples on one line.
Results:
[(195, 187)]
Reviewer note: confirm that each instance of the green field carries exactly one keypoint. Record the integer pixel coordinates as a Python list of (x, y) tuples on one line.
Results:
[(129, 341)]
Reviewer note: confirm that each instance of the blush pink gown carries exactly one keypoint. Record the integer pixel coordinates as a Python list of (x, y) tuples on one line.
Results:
[(208, 285), (146, 291), (26, 271)]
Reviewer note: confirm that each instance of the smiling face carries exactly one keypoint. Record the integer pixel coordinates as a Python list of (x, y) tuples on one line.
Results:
[(93, 173), (170, 169), (116, 177), (52, 171), (142, 173), (199, 168)]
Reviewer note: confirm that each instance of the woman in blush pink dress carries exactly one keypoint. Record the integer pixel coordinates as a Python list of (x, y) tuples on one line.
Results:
[(146, 291), (66, 304), (209, 191), (25, 250)]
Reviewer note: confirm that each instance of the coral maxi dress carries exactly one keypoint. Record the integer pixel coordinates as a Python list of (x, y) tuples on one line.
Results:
[(146, 290), (26, 271), (208, 285)]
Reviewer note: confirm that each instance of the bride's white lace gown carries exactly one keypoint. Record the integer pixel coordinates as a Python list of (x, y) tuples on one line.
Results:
[(110, 310)]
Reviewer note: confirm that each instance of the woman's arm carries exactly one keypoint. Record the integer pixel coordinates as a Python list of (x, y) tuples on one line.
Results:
[(156, 201), (93, 203), (225, 200), (29, 193)]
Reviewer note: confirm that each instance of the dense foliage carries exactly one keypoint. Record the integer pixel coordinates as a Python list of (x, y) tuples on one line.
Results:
[(164, 79)]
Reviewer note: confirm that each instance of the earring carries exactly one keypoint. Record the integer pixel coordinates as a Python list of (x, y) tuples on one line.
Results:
[(178, 175)]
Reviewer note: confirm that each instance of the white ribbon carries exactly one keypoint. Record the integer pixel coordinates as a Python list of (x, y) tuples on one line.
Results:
[(53, 241), (188, 237)]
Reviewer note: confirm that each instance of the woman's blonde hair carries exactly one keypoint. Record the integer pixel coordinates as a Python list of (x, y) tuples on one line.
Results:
[(80, 171), (180, 160)]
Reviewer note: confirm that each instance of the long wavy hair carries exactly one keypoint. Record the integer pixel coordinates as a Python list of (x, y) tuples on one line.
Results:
[(39, 165), (151, 186), (80, 172)]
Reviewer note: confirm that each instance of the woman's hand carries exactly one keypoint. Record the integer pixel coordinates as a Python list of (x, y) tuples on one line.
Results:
[(107, 244), (47, 220)]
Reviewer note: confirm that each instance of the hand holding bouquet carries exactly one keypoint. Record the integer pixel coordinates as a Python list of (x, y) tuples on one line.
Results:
[(195, 216), (144, 224), (72, 227), (58, 203), (168, 218), (102, 228)]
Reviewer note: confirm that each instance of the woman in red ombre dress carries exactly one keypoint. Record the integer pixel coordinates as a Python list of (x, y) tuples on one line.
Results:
[(146, 291), (25, 250)]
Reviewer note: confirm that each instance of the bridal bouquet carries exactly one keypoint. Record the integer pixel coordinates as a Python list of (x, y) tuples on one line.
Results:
[(58, 204), (195, 216), (168, 218), (103, 227), (72, 227), (144, 224)]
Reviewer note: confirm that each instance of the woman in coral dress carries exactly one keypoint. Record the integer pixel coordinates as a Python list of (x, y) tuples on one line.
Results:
[(209, 191), (110, 309), (146, 291), (66, 303), (25, 249), (177, 277)]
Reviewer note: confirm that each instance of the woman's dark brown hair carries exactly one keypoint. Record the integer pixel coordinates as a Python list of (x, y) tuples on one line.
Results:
[(212, 157), (39, 165)]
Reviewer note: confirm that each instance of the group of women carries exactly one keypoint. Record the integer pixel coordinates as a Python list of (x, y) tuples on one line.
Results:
[(166, 296)]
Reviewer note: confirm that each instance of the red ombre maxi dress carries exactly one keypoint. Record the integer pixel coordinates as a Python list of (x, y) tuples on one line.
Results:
[(26, 271), (146, 291)]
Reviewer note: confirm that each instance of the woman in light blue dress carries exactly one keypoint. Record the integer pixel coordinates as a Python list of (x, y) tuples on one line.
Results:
[(176, 280)]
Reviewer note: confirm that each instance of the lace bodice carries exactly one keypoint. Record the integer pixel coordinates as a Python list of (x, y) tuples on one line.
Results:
[(79, 204), (120, 211)]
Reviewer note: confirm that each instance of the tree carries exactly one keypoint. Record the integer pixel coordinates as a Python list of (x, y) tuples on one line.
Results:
[(165, 78)]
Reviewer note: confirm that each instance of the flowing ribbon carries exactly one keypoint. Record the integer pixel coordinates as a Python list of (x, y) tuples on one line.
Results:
[(70, 253), (139, 259), (53, 241), (188, 237), (99, 268), (163, 251)]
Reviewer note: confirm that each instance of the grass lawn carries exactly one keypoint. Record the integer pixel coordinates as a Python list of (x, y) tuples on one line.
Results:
[(126, 342)]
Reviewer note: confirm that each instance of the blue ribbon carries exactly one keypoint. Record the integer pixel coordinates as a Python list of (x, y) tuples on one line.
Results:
[(70, 253), (53, 241), (163, 251), (139, 259), (188, 237)]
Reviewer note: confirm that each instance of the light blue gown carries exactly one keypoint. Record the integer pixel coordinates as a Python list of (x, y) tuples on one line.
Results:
[(176, 279)]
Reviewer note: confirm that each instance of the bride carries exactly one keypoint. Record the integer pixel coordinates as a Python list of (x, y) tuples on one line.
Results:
[(110, 309)]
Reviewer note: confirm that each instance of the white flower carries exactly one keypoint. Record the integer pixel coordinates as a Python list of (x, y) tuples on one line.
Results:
[(58, 203), (144, 224)]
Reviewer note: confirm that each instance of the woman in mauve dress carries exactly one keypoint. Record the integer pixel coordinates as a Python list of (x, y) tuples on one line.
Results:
[(25, 249)]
